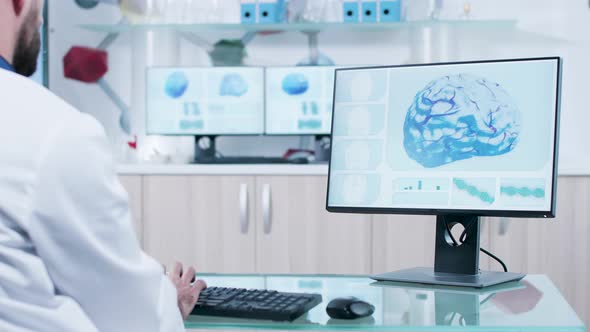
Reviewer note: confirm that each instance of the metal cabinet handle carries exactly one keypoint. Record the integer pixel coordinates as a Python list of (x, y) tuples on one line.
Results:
[(266, 208), (244, 220), (503, 227)]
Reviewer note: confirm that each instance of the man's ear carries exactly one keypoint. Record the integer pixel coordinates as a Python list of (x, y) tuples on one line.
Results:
[(18, 6)]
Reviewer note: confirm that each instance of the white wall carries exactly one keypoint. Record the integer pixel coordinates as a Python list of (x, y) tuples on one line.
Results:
[(545, 27)]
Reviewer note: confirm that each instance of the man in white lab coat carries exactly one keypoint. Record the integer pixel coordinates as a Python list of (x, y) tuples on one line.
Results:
[(69, 259)]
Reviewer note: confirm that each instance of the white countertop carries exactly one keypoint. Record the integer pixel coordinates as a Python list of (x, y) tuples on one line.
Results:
[(274, 169), (258, 169)]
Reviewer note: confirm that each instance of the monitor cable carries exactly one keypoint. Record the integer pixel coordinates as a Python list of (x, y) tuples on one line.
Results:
[(462, 239)]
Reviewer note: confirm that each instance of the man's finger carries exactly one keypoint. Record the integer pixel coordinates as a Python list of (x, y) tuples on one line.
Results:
[(177, 270), (199, 286), (188, 276)]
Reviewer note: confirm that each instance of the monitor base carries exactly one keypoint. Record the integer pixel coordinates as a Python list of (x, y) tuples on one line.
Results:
[(425, 275)]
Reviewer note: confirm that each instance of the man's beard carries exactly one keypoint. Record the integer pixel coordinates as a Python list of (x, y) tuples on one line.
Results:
[(28, 46)]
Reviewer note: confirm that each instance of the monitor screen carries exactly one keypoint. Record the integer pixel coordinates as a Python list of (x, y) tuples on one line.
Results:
[(299, 100), (205, 101), (472, 137)]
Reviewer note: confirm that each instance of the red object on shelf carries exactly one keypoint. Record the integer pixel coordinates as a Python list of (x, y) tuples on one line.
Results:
[(133, 144), (85, 64)]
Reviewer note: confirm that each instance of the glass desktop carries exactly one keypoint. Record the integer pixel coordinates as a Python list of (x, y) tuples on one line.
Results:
[(456, 140), (533, 304), (205, 101), (299, 100)]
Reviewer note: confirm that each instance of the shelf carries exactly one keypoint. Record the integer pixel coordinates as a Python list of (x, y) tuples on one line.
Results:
[(118, 28)]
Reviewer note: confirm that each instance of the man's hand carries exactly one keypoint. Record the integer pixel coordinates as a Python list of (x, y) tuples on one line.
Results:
[(188, 293)]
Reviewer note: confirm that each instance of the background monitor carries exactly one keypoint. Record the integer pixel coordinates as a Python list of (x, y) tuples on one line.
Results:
[(299, 100), (205, 101), (474, 138)]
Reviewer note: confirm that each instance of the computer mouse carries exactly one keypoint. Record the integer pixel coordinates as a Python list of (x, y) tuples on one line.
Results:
[(349, 308)]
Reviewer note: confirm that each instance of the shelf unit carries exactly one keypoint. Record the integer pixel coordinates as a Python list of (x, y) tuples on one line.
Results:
[(118, 28)]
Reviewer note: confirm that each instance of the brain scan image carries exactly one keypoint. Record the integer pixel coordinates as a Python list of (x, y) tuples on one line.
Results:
[(295, 84), (176, 85), (460, 117), (233, 85)]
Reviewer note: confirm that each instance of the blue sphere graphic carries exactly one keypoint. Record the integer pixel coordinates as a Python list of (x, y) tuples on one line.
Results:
[(295, 84), (176, 85)]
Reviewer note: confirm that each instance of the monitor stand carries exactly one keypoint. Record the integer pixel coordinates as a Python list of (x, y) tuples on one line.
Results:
[(454, 265), (205, 148), (323, 147)]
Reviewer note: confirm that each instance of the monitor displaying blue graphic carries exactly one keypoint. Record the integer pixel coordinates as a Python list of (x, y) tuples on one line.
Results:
[(205, 101), (477, 136), (299, 100)]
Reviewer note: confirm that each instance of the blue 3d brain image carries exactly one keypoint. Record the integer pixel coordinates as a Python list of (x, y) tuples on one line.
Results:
[(233, 85), (176, 85), (460, 117), (295, 84)]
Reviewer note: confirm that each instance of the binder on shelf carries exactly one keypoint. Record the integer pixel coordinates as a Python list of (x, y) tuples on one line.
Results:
[(369, 11), (350, 10), (267, 11), (390, 11), (248, 11)]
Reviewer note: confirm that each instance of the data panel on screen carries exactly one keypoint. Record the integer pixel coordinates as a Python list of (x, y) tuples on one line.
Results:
[(205, 101), (299, 100), (469, 136)]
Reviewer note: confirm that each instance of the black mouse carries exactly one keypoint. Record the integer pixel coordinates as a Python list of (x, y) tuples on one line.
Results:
[(349, 308)]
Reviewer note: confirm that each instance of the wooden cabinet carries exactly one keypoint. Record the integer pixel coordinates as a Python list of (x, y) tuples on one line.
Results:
[(205, 221), (556, 247), (252, 224), (297, 235), (133, 185)]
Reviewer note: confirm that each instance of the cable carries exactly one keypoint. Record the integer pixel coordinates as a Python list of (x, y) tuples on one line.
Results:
[(462, 240), (495, 258)]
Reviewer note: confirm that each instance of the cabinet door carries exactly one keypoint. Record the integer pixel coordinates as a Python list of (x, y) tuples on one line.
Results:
[(401, 241), (557, 247), (297, 235), (205, 221), (133, 185)]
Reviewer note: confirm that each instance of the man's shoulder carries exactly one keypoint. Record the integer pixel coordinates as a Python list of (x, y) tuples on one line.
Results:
[(29, 100), (32, 98)]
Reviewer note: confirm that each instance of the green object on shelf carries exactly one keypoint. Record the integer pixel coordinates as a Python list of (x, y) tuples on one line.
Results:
[(228, 53)]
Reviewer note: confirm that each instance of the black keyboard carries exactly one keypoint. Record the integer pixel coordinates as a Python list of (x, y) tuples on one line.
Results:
[(254, 303)]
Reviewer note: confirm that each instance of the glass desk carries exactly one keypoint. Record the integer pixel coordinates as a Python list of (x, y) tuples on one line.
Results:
[(533, 304)]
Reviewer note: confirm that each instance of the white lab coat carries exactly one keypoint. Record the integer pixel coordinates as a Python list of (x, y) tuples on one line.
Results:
[(69, 259)]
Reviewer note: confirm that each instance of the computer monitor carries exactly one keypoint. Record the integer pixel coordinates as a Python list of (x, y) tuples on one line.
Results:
[(456, 140), (299, 100), (203, 101)]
